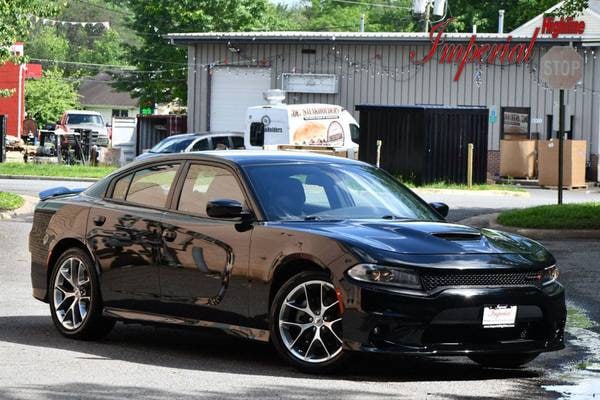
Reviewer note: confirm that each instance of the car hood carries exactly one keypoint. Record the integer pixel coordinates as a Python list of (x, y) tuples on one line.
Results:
[(422, 238)]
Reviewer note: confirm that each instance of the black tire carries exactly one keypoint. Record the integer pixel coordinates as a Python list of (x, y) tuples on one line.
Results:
[(503, 360), (327, 366), (93, 326)]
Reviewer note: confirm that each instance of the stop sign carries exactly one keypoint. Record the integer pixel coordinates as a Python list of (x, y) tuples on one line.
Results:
[(561, 67)]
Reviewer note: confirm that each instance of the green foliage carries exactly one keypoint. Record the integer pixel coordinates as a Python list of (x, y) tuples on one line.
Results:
[(330, 15), (153, 18), (48, 97), (10, 201), (107, 49), (566, 216), (484, 13), (47, 43), (572, 8), (15, 23)]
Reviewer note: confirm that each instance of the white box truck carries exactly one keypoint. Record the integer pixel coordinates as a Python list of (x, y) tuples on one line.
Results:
[(311, 127)]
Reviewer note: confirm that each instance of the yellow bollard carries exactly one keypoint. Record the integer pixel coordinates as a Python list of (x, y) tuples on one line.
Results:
[(470, 165)]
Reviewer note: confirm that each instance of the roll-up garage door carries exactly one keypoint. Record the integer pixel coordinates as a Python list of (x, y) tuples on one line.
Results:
[(232, 91)]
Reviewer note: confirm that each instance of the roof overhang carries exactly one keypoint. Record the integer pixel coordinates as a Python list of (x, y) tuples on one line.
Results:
[(184, 39)]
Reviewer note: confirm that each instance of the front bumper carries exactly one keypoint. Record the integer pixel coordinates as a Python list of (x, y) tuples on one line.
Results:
[(450, 322)]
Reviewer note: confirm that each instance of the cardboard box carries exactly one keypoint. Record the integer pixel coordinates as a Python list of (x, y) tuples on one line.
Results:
[(573, 158), (518, 158)]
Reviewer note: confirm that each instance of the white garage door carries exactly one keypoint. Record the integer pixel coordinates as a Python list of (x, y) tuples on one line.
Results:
[(232, 91)]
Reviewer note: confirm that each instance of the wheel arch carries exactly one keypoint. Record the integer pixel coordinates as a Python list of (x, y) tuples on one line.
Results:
[(58, 249), (290, 266)]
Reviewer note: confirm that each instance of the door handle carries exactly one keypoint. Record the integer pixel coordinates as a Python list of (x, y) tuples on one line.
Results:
[(99, 220), (169, 235)]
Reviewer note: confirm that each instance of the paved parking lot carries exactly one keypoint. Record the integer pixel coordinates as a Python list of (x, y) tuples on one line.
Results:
[(162, 363)]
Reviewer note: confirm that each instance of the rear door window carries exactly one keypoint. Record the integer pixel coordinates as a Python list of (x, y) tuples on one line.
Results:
[(150, 186)]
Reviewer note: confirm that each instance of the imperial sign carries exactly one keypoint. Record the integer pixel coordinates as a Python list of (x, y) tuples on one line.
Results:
[(486, 53)]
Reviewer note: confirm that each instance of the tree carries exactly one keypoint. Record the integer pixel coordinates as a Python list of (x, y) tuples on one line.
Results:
[(47, 44), (107, 49), (332, 15), (48, 97), (15, 22), (153, 18), (484, 13)]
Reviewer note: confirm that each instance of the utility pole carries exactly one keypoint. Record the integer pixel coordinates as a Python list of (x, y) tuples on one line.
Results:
[(427, 15)]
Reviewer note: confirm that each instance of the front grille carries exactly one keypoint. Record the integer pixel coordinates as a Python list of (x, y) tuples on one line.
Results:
[(478, 279)]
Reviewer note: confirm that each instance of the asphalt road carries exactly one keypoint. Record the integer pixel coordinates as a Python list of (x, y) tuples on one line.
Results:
[(163, 363)]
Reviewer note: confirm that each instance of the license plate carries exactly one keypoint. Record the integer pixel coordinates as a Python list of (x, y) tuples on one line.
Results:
[(499, 316)]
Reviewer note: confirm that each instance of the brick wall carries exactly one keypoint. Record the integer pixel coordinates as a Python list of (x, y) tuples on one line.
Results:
[(493, 163)]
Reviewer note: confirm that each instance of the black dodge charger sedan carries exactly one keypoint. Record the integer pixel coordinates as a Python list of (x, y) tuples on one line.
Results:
[(322, 256)]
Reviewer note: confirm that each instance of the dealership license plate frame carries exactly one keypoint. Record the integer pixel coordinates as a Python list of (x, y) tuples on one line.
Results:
[(499, 316)]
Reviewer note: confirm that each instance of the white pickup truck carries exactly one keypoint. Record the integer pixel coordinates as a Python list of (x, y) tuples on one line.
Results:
[(86, 124)]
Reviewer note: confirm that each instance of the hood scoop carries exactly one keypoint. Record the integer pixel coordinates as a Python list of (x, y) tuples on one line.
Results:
[(457, 236)]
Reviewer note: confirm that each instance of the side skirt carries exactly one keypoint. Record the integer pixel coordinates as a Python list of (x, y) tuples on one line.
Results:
[(236, 330)]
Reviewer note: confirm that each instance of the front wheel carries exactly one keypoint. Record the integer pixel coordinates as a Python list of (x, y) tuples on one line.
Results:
[(503, 360), (75, 301), (306, 323)]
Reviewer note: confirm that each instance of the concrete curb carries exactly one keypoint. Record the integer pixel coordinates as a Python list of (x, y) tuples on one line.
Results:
[(473, 192), (48, 178), (491, 221), (27, 208)]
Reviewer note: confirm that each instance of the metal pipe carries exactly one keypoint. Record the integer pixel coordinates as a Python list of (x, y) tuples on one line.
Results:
[(500, 21), (379, 144), (561, 140), (362, 22)]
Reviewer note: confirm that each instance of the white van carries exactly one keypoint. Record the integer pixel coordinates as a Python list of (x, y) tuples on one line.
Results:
[(308, 125)]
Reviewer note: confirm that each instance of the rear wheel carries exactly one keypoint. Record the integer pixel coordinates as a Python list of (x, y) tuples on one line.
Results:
[(503, 360), (306, 323), (75, 301)]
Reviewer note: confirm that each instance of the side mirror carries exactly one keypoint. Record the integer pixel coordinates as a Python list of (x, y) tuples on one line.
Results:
[(441, 208), (224, 209)]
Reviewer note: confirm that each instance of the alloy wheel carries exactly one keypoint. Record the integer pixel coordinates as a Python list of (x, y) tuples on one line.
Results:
[(310, 322), (72, 293)]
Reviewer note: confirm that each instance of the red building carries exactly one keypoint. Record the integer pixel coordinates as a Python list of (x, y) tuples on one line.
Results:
[(12, 77)]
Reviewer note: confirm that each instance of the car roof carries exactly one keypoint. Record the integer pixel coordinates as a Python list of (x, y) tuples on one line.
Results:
[(254, 157), (182, 136)]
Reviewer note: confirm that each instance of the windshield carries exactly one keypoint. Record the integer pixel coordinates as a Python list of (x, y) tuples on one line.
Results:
[(78, 119), (304, 192), (172, 145)]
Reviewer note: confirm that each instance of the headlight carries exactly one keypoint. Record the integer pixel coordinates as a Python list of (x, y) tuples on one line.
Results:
[(550, 275), (385, 275)]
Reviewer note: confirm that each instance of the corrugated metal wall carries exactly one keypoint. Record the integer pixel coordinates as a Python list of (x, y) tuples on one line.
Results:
[(382, 74)]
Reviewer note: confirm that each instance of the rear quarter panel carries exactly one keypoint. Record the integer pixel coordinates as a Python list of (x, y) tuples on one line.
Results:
[(54, 221)]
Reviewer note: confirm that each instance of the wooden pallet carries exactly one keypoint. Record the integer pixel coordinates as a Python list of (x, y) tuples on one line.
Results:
[(566, 187)]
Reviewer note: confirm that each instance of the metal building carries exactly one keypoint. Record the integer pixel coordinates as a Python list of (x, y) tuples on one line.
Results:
[(227, 72)]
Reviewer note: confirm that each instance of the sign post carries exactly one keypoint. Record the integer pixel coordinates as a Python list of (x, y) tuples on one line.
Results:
[(561, 68)]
